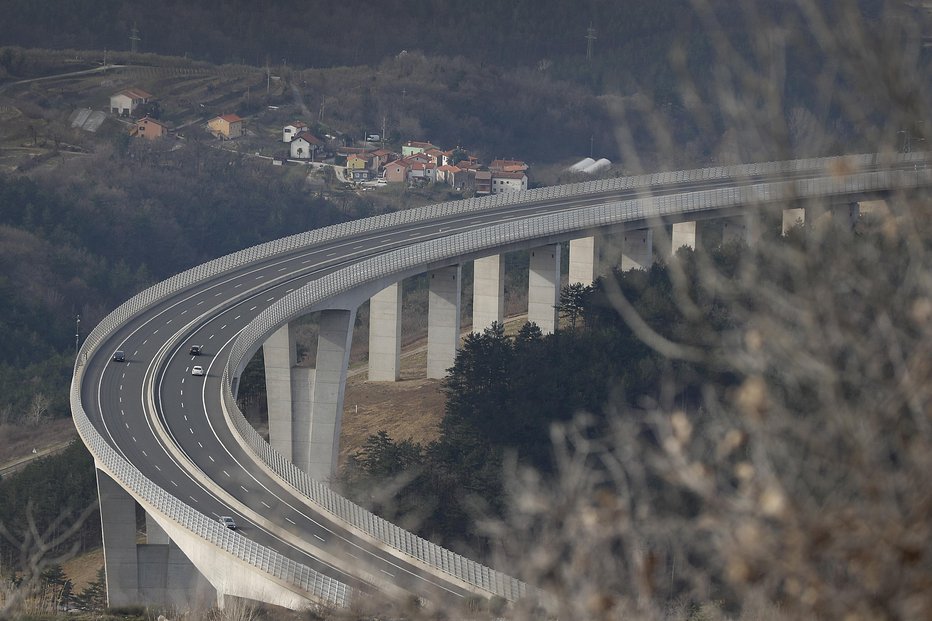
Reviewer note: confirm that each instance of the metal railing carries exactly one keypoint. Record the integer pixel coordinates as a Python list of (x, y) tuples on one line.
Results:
[(321, 587)]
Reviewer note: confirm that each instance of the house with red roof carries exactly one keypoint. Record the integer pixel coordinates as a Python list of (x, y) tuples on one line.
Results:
[(289, 132), (226, 126), (125, 102), (305, 145), (149, 128)]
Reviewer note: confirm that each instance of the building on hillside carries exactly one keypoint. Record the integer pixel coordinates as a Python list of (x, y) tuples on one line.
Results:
[(396, 172), (413, 146), (149, 128), (359, 161), (125, 102), (305, 146), (508, 166), (483, 181), (419, 172), (290, 131), (226, 127), (508, 182), (381, 157)]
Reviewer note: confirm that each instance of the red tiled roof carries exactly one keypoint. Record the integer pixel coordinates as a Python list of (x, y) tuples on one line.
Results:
[(508, 175), (135, 93), (147, 119), (308, 137)]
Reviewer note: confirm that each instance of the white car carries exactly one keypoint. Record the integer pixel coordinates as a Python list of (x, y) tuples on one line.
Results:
[(197, 370), (227, 521)]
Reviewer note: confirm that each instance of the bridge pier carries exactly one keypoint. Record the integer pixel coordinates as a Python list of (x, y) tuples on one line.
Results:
[(385, 334), (443, 319), (684, 234), (283, 379), (543, 288), (792, 217), (335, 336), (637, 249), (488, 292), (155, 572), (584, 261)]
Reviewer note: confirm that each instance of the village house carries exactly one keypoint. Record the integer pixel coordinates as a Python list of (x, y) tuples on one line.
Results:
[(483, 181), (226, 127), (125, 102), (305, 145), (508, 182), (508, 166), (396, 172), (413, 147), (149, 128), (290, 131)]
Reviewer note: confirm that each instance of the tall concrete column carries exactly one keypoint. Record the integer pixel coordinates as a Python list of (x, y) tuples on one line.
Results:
[(584, 261), (443, 319), (385, 334), (333, 347), (637, 249), (118, 528), (280, 355), (793, 216), (543, 287), (488, 292), (302, 406), (685, 234)]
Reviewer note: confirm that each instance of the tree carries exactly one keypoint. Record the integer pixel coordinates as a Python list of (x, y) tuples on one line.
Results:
[(573, 299)]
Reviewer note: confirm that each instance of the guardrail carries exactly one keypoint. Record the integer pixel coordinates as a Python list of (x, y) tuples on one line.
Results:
[(273, 563)]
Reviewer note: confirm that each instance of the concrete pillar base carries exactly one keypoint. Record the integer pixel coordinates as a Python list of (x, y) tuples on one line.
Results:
[(685, 234), (792, 217)]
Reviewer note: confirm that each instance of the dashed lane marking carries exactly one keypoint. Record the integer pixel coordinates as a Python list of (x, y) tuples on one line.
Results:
[(226, 473), (244, 489), (211, 458), (173, 483), (238, 285), (193, 498), (270, 299), (200, 445), (290, 520), (387, 574), (266, 505), (223, 327), (254, 308), (157, 468), (321, 538), (210, 337)]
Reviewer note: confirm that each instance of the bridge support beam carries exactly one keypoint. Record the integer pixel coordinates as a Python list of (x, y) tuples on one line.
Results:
[(792, 217), (334, 339), (118, 530), (443, 319), (584, 261), (543, 287), (684, 234), (385, 334), (488, 292), (637, 249), (155, 534)]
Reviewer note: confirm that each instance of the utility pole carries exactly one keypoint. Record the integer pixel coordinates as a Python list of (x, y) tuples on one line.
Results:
[(134, 39), (77, 334), (382, 136), (590, 37)]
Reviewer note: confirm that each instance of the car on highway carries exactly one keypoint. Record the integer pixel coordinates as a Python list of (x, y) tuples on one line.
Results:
[(227, 521), (195, 350), (119, 356), (197, 370)]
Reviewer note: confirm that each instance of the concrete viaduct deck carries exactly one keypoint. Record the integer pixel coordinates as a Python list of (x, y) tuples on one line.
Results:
[(178, 446)]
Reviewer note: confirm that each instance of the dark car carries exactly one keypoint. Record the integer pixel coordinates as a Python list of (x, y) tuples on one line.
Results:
[(119, 356), (195, 350)]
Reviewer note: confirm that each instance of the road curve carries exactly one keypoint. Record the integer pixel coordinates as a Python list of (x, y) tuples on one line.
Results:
[(177, 443)]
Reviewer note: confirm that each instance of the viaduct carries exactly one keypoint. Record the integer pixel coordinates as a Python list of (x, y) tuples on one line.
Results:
[(177, 448)]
